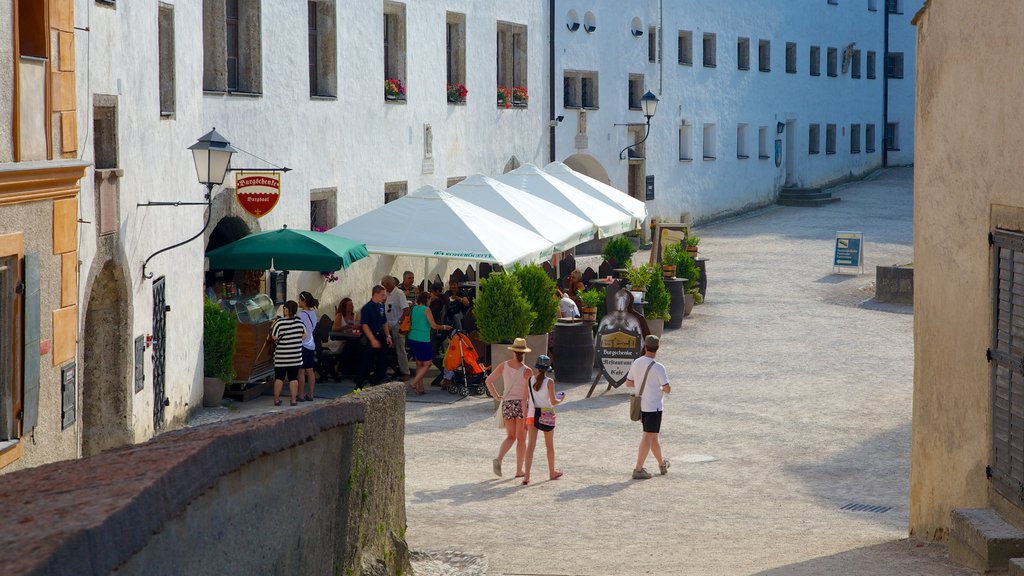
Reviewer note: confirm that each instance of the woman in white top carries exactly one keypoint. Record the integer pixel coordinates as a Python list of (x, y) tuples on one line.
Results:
[(513, 374), (542, 395)]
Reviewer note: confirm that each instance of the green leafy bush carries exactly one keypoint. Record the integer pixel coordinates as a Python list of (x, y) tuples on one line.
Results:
[(658, 300), (687, 268), (692, 240), (619, 250), (591, 298), (539, 290), (218, 342), (640, 277), (502, 313)]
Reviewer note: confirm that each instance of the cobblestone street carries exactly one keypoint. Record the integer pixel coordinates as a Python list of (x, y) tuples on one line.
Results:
[(791, 399)]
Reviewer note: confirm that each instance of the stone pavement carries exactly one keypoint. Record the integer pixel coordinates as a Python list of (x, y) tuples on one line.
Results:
[(791, 399)]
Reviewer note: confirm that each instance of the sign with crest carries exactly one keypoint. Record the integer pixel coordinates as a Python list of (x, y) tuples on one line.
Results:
[(620, 338), (258, 192)]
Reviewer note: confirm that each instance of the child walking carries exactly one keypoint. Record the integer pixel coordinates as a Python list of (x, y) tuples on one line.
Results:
[(542, 401)]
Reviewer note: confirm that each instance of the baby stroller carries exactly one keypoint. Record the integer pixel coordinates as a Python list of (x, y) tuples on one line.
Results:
[(461, 358)]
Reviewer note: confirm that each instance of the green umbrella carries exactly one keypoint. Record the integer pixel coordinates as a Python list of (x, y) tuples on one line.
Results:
[(288, 249)]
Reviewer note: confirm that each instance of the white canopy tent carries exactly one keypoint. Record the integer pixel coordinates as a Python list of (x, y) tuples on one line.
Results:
[(601, 191), (528, 178), (432, 223), (559, 226)]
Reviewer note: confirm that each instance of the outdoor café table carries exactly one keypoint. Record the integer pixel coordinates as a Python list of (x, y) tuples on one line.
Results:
[(348, 361)]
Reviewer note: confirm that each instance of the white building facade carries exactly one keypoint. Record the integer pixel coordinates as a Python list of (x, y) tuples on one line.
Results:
[(295, 84), (752, 98)]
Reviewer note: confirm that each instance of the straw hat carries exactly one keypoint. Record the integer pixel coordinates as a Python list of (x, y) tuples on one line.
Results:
[(519, 345)]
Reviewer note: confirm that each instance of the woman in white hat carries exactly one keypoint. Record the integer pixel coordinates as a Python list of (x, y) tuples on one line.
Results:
[(513, 374)]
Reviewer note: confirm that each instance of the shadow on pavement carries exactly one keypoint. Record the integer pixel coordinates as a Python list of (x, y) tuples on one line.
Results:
[(448, 416), (592, 492), (835, 278), (488, 490), (907, 557)]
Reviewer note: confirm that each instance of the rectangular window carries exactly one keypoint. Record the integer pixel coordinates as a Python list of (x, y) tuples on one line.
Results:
[(571, 97), (894, 65), (855, 64), (790, 57), (869, 138), (455, 34), (588, 90), (12, 326), (686, 141), (833, 2), (743, 53), (709, 142), (815, 62), (395, 87), (232, 46), (710, 51), (741, 141), (764, 55), (231, 28), (894, 6), (652, 44), (104, 140), (854, 138), (871, 64), (685, 47), (762, 143), (453, 181), (813, 139), (323, 209), (873, 5), (892, 136), (833, 59), (165, 41), (636, 91), (512, 71), (830, 139), (323, 77), (395, 190)]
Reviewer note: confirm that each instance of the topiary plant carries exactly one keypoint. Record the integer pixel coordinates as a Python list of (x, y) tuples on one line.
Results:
[(502, 313), (218, 342), (539, 290), (687, 268), (658, 300), (619, 250)]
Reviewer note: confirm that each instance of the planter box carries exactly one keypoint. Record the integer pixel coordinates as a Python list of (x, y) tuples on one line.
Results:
[(894, 284), (656, 326)]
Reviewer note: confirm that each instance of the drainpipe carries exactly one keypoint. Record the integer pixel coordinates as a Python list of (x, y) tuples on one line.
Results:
[(885, 91), (661, 46), (551, 79)]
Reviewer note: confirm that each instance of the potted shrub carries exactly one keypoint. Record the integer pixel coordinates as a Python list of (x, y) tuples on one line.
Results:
[(539, 290), (691, 244), (502, 314), (687, 268), (656, 310), (393, 89), (592, 300), (618, 252), (639, 277), (218, 351), (504, 97), (457, 93)]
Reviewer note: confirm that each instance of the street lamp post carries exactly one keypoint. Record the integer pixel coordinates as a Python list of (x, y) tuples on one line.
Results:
[(649, 105), (212, 157)]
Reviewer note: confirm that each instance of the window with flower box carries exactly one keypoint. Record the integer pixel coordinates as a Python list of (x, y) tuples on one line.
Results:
[(511, 65), (394, 51), (455, 34)]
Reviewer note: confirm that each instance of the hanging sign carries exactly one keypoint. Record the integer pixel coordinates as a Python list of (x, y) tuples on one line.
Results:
[(257, 192), (849, 253)]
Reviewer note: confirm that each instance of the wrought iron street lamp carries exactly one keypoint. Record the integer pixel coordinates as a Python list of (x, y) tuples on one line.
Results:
[(649, 105), (212, 157)]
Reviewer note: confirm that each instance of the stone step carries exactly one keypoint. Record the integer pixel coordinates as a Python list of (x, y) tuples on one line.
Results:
[(800, 191), (814, 203), (804, 195), (981, 540)]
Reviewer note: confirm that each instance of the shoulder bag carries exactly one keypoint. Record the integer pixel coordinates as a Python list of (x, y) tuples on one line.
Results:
[(634, 401), (543, 418)]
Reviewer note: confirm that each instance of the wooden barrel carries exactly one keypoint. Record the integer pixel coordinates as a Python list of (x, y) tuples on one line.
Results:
[(675, 290), (574, 352)]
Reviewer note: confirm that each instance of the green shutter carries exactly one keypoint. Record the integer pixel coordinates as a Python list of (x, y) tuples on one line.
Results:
[(30, 406)]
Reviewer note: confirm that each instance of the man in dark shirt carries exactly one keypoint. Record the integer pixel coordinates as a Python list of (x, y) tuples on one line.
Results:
[(376, 339), (458, 304)]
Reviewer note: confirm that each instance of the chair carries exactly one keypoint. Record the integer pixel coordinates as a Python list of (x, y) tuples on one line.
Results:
[(327, 367)]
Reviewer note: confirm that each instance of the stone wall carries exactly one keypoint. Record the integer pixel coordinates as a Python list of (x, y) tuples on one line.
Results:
[(312, 490)]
